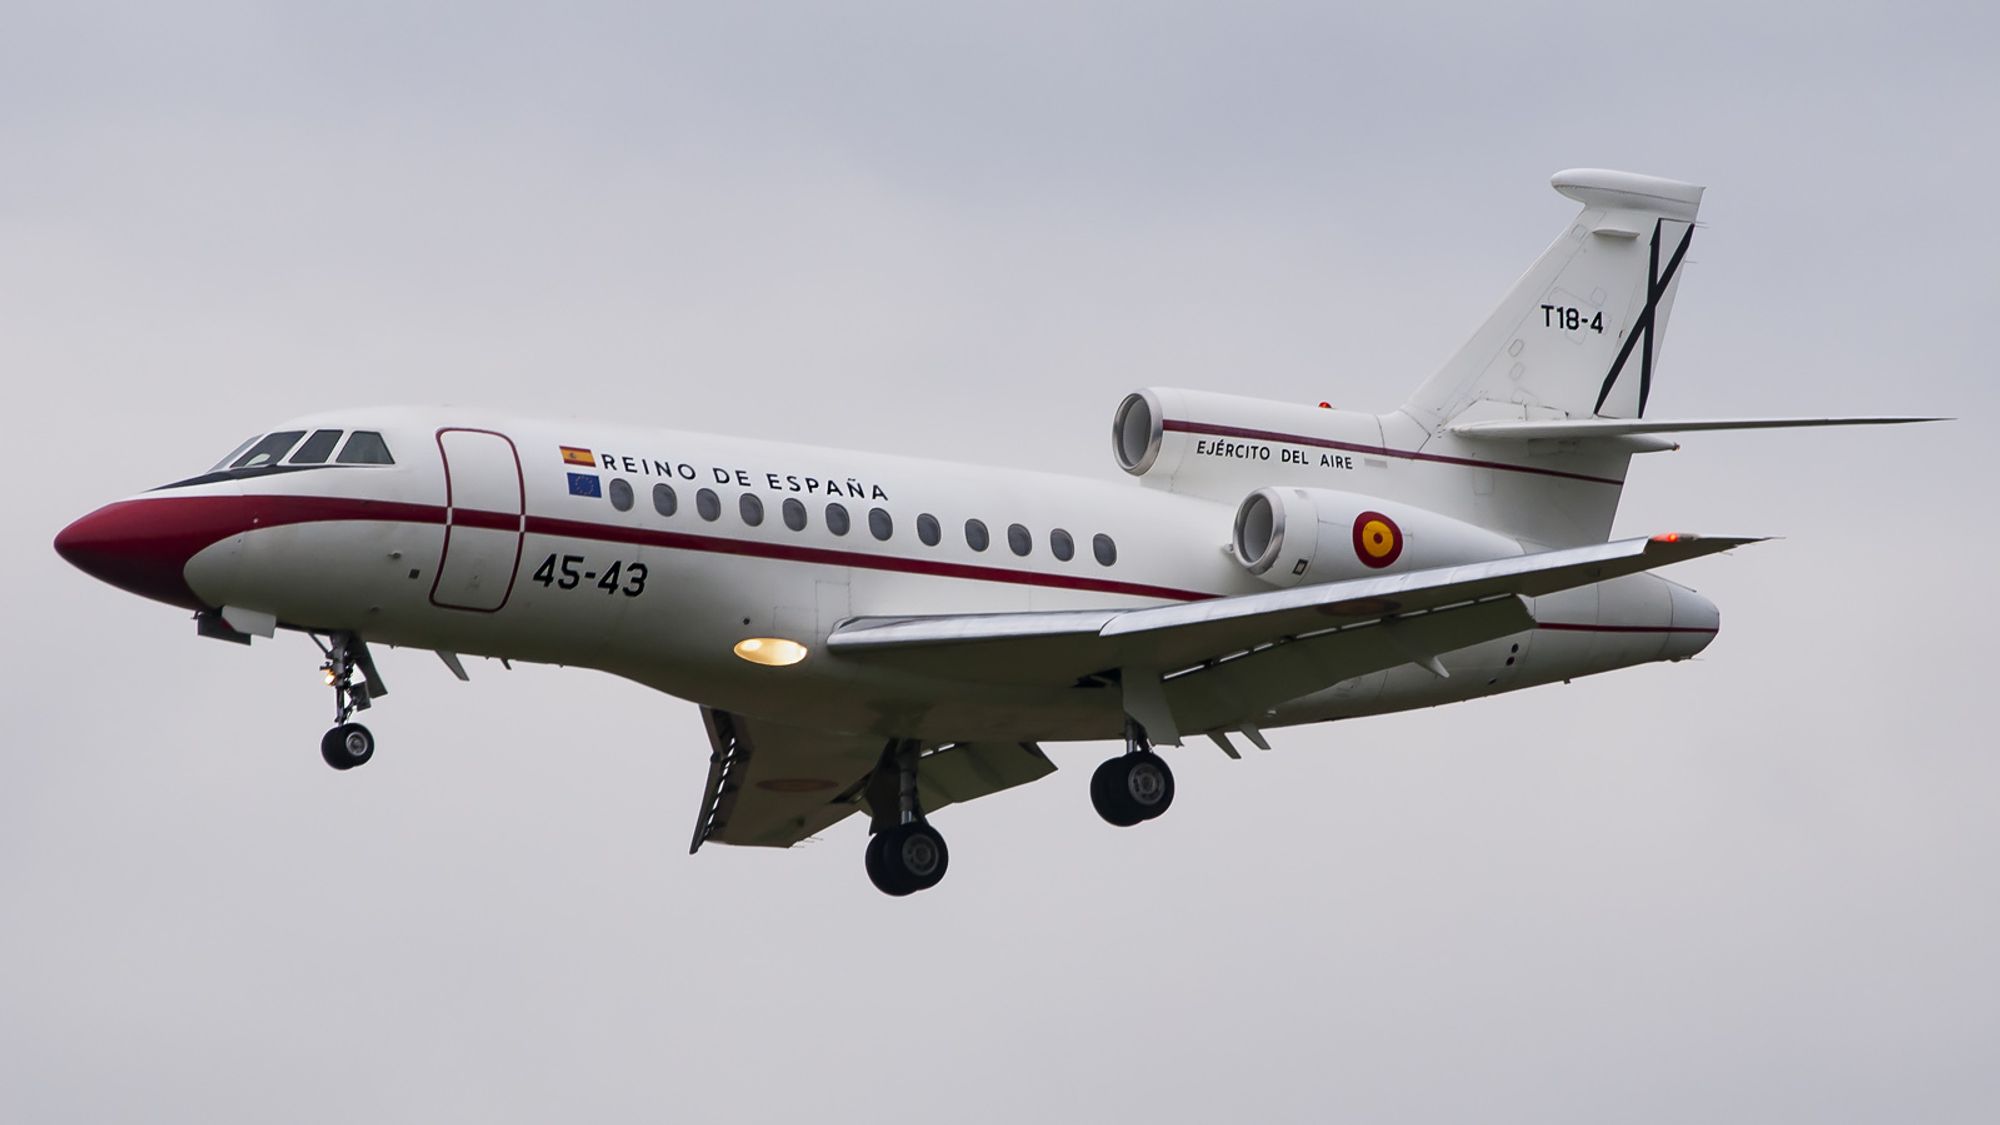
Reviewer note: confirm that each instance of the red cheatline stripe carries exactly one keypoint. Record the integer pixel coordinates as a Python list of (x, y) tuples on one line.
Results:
[(1375, 450), (498, 521), (229, 515), (1567, 627)]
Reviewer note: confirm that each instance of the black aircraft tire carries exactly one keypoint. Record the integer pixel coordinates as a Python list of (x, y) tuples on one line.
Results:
[(346, 746), (907, 858), (1109, 795), (878, 874)]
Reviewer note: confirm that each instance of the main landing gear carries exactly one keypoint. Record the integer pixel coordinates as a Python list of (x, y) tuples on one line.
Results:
[(1136, 785), (905, 854), (348, 744)]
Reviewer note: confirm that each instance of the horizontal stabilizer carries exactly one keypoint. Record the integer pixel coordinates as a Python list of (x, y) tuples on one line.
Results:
[(1587, 429)]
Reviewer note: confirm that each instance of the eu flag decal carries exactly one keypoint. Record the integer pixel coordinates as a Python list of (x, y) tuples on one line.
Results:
[(585, 484)]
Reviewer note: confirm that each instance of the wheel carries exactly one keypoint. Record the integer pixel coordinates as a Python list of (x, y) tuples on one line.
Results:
[(1131, 788), (346, 746), (1149, 783), (906, 859)]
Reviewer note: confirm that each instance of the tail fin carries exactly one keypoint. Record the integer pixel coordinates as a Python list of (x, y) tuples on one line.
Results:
[(1579, 334)]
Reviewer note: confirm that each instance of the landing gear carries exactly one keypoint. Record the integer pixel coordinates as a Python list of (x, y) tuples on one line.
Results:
[(905, 854), (1135, 786), (906, 859), (348, 744)]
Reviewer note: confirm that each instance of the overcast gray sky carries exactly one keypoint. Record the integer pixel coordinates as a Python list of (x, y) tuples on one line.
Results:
[(1755, 887)]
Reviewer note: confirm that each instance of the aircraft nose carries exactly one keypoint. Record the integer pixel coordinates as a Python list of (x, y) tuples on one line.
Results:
[(135, 545), (1695, 623)]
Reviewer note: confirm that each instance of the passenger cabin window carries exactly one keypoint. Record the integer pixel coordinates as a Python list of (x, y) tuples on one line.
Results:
[(664, 500), (621, 494), (1061, 545), (751, 509), (366, 447), (268, 451), (975, 535), (836, 518), (708, 504), (317, 448), (1105, 550), (1018, 540), (795, 514), (928, 530), (879, 523)]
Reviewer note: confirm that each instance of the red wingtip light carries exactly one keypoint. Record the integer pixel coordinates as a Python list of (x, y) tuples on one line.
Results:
[(1326, 406), (1672, 537)]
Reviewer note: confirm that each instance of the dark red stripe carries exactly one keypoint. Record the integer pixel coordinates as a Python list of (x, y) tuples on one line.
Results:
[(197, 521), (497, 521), (1373, 450), (1568, 627), (681, 541), (144, 545)]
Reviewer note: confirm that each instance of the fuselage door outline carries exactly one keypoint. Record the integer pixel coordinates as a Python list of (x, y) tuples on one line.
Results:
[(485, 508)]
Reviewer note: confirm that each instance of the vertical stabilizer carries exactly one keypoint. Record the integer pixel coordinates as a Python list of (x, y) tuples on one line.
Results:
[(1579, 334)]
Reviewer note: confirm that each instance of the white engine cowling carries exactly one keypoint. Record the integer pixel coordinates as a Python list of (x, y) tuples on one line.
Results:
[(1293, 536)]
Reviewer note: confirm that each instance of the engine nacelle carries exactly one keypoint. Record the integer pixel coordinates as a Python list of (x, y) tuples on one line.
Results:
[(1292, 536)]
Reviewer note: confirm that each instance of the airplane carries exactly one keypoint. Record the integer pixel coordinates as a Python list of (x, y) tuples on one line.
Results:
[(873, 633)]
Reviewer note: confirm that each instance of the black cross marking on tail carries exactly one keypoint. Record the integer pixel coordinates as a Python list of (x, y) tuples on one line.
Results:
[(1656, 284)]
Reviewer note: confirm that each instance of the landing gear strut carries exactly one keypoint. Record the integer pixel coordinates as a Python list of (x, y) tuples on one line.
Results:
[(905, 854), (1136, 785), (348, 744)]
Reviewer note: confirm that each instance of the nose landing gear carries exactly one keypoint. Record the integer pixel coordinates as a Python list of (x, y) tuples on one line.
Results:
[(1136, 785), (348, 744)]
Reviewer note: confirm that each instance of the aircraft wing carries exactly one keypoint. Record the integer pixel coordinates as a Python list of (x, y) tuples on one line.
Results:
[(772, 785), (1211, 664)]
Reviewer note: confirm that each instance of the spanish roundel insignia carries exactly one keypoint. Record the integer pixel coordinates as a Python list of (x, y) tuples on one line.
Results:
[(574, 456), (1377, 540)]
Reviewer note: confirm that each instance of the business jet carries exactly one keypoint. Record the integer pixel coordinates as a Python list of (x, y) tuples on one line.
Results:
[(880, 634)]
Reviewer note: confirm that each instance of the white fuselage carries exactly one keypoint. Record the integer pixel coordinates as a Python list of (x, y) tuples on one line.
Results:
[(477, 541)]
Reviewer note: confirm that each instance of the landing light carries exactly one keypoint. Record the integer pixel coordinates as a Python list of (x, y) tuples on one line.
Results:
[(777, 652)]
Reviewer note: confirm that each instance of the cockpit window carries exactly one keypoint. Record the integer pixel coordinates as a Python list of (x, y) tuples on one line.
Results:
[(268, 451), (235, 453), (317, 448), (366, 447)]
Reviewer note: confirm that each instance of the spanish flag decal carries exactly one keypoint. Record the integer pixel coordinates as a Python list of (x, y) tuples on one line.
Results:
[(574, 456), (1377, 540)]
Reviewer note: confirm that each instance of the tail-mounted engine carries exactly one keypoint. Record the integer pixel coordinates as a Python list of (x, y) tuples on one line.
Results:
[(1293, 536), (1220, 446)]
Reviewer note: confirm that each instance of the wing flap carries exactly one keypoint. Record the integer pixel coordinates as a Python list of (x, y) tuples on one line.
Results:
[(966, 771), (1059, 648), (1223, 694), (772, 785)]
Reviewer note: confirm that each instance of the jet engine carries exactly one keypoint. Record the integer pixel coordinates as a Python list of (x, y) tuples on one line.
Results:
[(1293, 536)]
